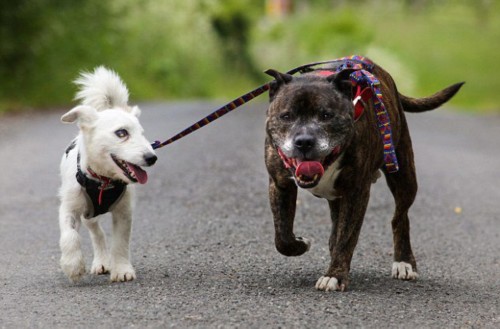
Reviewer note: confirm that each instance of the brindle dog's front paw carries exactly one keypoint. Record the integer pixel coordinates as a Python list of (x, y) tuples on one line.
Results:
[(327, 283), (296, 247), (403, 271)]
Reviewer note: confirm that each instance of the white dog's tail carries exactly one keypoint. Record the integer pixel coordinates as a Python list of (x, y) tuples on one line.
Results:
[(102, 89)]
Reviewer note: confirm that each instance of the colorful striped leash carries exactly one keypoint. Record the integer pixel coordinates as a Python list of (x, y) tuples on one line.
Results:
[(223, 110), (361, 76)]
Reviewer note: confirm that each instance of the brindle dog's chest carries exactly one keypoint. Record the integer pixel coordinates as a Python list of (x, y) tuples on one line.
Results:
[(325, 188)]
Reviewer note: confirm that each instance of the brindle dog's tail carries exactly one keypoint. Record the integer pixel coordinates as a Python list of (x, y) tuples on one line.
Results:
[(431, 102)]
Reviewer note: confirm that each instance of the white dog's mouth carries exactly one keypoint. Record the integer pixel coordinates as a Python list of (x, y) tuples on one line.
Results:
[(308, 173), (131, 171)]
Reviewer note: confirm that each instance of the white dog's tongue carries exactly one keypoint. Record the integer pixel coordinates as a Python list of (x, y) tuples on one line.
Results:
[(309, 169), (140, 175)]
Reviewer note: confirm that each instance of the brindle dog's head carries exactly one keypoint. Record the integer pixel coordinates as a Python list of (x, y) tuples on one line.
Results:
[(309, 122)]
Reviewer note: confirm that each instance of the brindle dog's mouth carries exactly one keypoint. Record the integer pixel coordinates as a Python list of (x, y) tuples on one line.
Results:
[(131, 171), (308, 173)]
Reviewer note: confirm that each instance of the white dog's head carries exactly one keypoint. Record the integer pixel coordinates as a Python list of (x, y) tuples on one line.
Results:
[(114, 143), (113, 139)]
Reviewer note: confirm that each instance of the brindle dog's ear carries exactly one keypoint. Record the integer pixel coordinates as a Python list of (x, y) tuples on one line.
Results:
[(280, 79), (341, 82)]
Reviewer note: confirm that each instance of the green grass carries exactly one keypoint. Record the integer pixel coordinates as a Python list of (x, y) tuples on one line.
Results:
[(448, 45), (425, 50)]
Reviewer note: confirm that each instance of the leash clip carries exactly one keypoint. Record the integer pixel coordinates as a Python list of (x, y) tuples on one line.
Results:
[(356, 100), (156, 144), (359, 106)]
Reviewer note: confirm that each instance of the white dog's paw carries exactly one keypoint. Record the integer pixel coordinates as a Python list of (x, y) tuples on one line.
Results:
[(73, 266), (99, 267), (403, 271), (122, 273), (327, 283)]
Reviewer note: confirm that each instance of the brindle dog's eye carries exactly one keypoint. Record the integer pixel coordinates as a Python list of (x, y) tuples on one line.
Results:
[(326, 116), (286, 116), (121, 133)]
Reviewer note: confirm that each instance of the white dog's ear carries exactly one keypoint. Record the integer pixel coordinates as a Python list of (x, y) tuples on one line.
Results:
[(82, 113), (136, 111)]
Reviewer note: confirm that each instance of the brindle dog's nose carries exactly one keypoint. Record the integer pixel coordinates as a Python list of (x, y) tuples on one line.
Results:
[(150, 159), (304, 142)]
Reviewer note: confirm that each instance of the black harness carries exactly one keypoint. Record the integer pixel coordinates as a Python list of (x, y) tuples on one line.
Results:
[(98, 202)]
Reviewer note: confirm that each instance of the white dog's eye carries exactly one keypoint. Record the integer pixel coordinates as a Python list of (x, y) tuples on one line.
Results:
[(122, 133)]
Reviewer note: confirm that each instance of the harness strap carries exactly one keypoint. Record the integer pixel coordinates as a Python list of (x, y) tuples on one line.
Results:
[(99, 203), (363, 77), (105, 181)]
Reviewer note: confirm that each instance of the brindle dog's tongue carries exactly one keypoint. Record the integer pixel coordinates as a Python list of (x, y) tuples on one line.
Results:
[(309, 169)]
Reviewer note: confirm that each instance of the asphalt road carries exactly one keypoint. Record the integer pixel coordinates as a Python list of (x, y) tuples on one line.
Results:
[(202, 242)]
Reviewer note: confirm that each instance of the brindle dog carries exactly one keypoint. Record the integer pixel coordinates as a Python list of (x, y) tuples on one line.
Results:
[(314, 143)]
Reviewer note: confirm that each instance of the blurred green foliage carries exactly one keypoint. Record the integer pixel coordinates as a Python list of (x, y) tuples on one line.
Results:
[(162, 49), (218, 48)]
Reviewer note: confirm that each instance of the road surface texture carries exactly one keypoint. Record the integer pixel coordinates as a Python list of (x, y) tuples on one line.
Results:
[(202, 242)]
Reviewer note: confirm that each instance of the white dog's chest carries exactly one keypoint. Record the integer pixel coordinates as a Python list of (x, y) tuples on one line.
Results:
[(325, 188)]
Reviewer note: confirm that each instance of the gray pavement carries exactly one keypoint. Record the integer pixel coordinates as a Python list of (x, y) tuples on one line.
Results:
[(202, 242)]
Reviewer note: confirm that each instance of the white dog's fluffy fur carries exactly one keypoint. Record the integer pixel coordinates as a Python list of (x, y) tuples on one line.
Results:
[(109, 128)]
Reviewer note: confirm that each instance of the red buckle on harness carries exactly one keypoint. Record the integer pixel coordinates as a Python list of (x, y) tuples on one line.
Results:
[(361, 96), (359, 100)]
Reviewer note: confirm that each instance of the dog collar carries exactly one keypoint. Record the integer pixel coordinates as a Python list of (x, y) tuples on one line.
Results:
[(360, 96), (98, 202)]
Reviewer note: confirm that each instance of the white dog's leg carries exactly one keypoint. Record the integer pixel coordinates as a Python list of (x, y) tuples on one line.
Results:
[(100, 264), (72, 262), (121, 269)]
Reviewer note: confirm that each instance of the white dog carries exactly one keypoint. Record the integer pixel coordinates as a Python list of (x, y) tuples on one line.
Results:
[(96, 171)]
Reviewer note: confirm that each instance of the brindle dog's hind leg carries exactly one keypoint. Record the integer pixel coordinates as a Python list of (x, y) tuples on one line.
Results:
[(403, 185)]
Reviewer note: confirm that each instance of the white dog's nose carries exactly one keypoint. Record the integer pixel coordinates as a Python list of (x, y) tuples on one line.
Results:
[(150, 159)]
